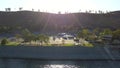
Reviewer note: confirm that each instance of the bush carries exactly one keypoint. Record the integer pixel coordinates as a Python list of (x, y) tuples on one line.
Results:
[(4, 41)]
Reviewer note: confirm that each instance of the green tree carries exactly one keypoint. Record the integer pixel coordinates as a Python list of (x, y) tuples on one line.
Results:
[(116, 34), (27, 35), (94, 34), (9, 9), (96, 31), (4, 41), (20, 8), (92, 37), (59, 12), (43, 38), (83, 34), (18, 36), (105, 32)]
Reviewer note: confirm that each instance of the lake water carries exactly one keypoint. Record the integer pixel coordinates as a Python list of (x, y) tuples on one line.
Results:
[(57, 64)]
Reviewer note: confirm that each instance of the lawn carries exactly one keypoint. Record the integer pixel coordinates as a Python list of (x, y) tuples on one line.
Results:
[(85, 44), (88, 45), (13, 44), (68, 44)]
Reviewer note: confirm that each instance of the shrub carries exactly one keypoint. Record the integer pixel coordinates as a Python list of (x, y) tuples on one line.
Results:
[(4, 41)]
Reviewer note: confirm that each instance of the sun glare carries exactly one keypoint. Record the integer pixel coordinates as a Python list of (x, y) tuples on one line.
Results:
[(58, 5), (60, 66)]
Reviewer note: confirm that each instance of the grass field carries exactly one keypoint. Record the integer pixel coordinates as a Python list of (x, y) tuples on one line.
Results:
[(88, 45), (53, 43), (84, 44), (11, 44)]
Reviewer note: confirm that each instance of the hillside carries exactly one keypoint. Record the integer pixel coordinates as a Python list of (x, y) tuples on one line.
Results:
[(54, 23)]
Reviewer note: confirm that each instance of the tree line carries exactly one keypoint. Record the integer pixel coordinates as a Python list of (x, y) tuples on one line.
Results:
[(99, 34), (29, 36), (59, 12), (86, 34)]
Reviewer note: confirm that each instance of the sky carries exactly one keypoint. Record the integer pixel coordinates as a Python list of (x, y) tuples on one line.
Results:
[(55, 6)]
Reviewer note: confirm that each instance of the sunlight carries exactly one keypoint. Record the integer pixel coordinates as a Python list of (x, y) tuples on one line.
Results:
[(53, 66), (60, 66), (57, 66), (59, 5)]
